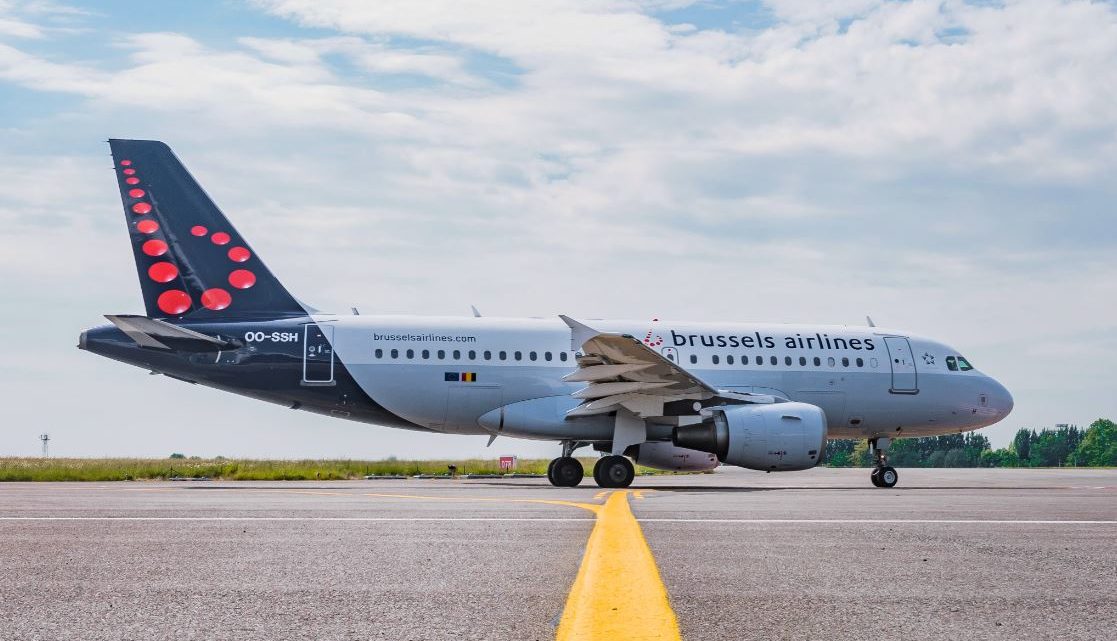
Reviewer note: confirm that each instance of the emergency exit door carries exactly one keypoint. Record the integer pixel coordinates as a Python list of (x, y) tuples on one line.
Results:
[(318, 354), (904, 377)]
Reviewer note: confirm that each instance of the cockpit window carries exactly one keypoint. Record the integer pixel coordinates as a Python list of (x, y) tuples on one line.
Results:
[(958, 364)]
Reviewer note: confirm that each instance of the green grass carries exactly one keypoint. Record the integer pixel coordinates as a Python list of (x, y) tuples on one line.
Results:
[(134, 469)]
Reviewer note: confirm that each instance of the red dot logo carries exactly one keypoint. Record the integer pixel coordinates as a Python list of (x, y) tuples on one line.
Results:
[(125, 163), (141, 208), (220, 238), (129, 172), (216, 299), (132, 180), (174, 301), (242, 279), (136, 193), (147, 226), (155, 247), (162, 272), (239, 254), (198, 230)]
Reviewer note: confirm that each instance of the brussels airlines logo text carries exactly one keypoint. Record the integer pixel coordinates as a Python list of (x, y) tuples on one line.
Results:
[(757, 340)]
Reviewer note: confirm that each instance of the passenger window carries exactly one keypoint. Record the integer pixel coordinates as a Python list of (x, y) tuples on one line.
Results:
[(952, 363), (964, 365), (845, 362), (861, 362), (503, 356), (426, 353), (873, 362), (694, 359), (457, 354), (759, 360), (395, 353), (729, 359), (714, 358), (562, 356), (411, 353), (379, 353), (519, 355), (774, 360), (830, 362), (802, 361), (787, 361), (532, 356), (817, 361), (441, 354), (472, 355), (546, 356)]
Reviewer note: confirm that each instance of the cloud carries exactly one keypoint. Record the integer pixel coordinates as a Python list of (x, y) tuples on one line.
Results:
[(945, 166)]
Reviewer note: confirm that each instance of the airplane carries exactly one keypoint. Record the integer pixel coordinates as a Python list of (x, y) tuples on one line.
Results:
[(669, 395)]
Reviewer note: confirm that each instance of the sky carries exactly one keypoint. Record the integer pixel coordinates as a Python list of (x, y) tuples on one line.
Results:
[(946, 167)]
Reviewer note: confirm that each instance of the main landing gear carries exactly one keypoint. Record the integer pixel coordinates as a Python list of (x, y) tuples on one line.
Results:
[(883, 474), (566, 471), (612, 471)]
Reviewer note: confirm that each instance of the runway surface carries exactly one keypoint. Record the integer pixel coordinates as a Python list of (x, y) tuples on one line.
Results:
[(948, 554)]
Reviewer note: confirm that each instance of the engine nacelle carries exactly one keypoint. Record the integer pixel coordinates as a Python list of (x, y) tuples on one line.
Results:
[(664, 456), (776, 437)]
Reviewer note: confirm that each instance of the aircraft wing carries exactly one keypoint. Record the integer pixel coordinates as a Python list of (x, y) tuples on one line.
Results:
[(621, 372)]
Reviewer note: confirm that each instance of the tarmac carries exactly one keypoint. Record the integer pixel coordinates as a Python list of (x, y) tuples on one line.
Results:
[(947, 554)]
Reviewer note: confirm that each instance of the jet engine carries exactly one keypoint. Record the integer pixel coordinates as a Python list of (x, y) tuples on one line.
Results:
[(776, 437), (664, 456)]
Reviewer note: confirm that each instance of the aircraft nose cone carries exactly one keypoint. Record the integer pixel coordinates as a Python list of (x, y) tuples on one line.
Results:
[(1002, 399)]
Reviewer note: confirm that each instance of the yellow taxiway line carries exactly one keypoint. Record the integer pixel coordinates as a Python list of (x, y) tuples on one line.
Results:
[(618, 593)]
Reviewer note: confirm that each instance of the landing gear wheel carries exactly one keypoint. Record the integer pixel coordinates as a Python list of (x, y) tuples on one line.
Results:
[(566, 472), (887, 476), (551, 471), (613, 471), (875, 477)]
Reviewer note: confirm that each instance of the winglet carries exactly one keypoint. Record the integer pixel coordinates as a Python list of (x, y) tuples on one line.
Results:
[(579, 333), (476, 314), (869, 320)]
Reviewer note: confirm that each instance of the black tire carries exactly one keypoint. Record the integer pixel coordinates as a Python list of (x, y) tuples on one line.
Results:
[(551, 472), (888, 476), (875, 477), (614, 471), (567, 472)]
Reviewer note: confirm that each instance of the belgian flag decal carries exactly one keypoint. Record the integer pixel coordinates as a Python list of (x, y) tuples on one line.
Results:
[(464, 377)]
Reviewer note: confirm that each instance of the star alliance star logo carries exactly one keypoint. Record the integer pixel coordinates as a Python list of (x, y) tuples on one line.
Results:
[(928, 358)]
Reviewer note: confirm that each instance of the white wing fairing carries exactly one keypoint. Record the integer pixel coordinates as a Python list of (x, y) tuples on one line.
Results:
[(623, 373)]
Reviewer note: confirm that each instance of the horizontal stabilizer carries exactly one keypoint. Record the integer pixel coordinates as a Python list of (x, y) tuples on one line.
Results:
[(157, 334)]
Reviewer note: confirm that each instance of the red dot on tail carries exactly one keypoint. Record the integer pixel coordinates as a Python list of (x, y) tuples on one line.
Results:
[(242, 279), (220, 238), (136, 193), (198, 230), (132, 180), (162, 272), (141, 208), (239, 254), (129, 172), (216, 299), (125, 163), (174, 301), (147, 226), (155, 247)]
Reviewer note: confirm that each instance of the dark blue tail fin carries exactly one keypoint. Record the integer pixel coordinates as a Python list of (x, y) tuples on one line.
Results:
[(191, 261)]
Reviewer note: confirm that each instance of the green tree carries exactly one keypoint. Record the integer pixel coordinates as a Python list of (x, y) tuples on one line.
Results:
[(1099, 444), (1022, 444)]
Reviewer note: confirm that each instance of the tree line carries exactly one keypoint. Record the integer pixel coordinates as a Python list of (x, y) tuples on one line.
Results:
[(1063, 445)]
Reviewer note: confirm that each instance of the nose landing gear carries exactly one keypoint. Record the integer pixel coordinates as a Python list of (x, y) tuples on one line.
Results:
[(883, 475)]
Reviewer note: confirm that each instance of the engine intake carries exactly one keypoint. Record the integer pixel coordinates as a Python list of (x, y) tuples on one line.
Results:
[(776, 437)]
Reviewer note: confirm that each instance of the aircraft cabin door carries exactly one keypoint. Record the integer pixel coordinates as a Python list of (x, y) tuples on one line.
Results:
[(904, 376), (318, 354)]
